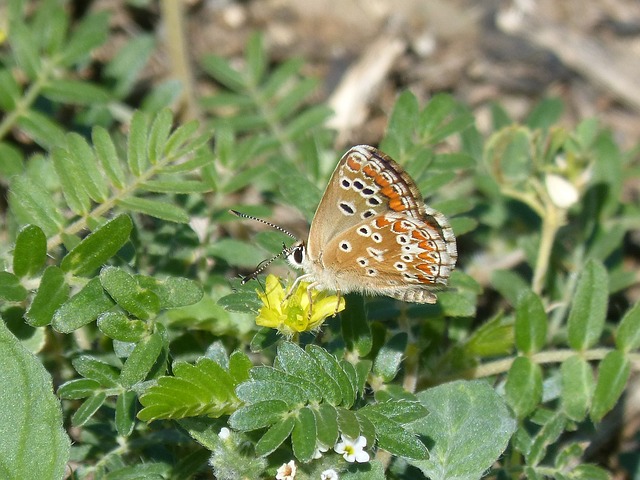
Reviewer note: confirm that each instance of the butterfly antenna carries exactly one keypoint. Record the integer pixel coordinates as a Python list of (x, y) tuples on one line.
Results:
[(264, 264), (272, 225)]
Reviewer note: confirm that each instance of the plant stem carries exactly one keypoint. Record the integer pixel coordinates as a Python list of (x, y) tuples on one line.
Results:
[(551, 223)]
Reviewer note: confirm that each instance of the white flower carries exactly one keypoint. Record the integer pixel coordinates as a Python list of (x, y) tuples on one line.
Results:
[(320, 449), (287, 471), (224, 433), (563, 194), (330, 474), (352, 450)]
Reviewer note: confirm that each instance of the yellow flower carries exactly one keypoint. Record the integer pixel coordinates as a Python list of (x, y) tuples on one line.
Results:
[(295, 314)]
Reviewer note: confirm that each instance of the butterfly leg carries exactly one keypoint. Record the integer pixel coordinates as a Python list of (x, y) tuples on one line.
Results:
[(295, 284)]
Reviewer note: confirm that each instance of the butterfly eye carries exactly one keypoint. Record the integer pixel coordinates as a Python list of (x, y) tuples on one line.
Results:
[(298, 255)]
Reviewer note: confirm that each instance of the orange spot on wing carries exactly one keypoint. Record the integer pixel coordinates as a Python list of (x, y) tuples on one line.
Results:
[(398, 227), (397, 205), (353, 164), (389, 192), (382, 222), (380, 180), (418, 235), (369, 172), (424, 267)]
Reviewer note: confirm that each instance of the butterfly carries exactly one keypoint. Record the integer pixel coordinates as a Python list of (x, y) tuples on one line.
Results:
[(372, 233)]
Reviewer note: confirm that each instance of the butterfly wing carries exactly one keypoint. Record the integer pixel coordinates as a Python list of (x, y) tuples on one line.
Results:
[(392, 254), (365, 183)]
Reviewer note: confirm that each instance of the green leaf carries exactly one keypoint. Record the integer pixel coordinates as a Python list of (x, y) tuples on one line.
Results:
[(523, 389), (201, 389), (51, 295), (494, 337), (545, 114), (94, 369), (275, 436), (613, 374), (72, 188), (295, 361), (551, 430), (256, 59), (33, 441), (25, 49), (348, 422), (90, 32), (469, 426), (404, 117), (75, 92), (326, 424), (90, 406), (116, 325), (108, 156), (84, 307), (98, 247), (31, 203), (141, 361), (589, 307), (126, 413), (78, 388), (30, 251), (10, 288), (258, 415), (13, 160), (180, 141), (390, 356), (285, 389), (10, 91), (356, 331), (577, 387), (85, 167), (158, 135), (332, 368), (401, 411), (137, 143), (155, 208), (124, 69), (40, 128), (175, 186), (509, 284), (303, 436), (531, 323), (220, 70), (173, 292), (127, 293), (628, 332), (395, 439)]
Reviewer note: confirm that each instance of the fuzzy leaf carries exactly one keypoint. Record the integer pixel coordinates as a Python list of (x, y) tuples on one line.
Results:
[(391, 436), (75, 92), (137, 143), (40, 128), (126, 413), (31, 203), (116, 325), (89, 33), (613, 374), (332, 367), (141, 361), (155, 208), (30, 251), (127, 293), (51, 295), (201, 389), (628, 332), (258, 415), (108, 156), (577, 387), (390, 356), (531, 324), (84, 307), (548, 434), (469, 425), (523, 388), (275, 436), (326, 424), (589, 307), (303, 436), (10, 288), (78, 388), (90, 406), (85, 168), (33, 441), (98, 247), (94, 369)]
